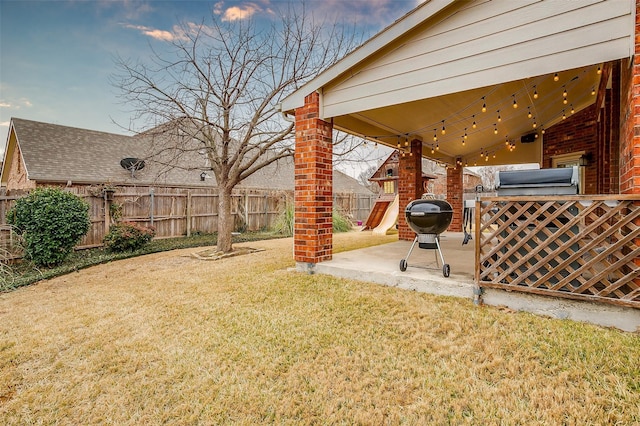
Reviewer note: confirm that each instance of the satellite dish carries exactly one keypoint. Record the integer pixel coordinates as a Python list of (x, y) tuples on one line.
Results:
[(132, 164)]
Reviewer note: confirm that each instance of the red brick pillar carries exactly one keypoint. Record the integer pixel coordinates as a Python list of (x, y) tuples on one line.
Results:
[(455, 196), (409, 185), (630, 135), (313, 227)]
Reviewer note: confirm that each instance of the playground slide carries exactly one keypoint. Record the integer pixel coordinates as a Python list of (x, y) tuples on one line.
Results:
[(389, 219)]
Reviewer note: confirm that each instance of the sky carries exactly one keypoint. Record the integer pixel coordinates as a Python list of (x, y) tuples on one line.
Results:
[(56, 56)]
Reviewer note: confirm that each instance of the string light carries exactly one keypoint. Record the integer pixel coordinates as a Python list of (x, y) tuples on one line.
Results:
[(474, 125), (495, 129), (398, 142), (599, 71), (433, 151), (593, 91), (529, 115), (435, 136), (484, 105), (443, 129), (555, 77), (535, 92), (465, 133), (564, 116), (437, 147), (515, 104), (499, 118), (534, 123), (572, 110)]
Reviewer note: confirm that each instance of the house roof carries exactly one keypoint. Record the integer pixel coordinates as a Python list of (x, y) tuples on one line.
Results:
[(438, 65), (55, 153)]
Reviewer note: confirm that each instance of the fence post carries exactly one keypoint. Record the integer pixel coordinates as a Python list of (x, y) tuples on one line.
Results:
[(107, 215), (188, 213), (151, 201)]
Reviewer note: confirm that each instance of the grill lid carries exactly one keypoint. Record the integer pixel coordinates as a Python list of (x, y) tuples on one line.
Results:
[(428, 216)]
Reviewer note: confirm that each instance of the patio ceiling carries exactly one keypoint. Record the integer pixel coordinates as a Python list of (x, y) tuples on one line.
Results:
[(540, 104)]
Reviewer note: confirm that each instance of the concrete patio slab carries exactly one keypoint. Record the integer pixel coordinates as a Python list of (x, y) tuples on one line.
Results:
[(380, 264)]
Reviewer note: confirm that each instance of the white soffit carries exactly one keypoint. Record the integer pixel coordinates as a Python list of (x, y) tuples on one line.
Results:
[(479, 44)]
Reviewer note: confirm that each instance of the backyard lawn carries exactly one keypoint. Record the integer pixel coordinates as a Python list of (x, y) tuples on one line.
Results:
[(168, 339)]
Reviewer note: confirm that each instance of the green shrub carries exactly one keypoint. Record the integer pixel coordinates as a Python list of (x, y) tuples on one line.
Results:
[(340, 222), (51, 222), (284, 222), (128, 236)]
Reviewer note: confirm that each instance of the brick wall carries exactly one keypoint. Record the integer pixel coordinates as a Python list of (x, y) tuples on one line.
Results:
[(630, 119), (409, 186), (313, 228), (577, 133), (455, 197)]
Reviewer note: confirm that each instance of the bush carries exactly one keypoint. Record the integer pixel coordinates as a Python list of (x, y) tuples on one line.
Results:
[(51, 222), (340, 222), (127, 236), (284, 223)]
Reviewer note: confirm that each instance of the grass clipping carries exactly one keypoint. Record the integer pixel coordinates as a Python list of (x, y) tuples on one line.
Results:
[(167, 339)]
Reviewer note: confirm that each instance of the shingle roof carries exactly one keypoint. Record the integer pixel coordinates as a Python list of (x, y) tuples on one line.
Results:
[(55, 153)]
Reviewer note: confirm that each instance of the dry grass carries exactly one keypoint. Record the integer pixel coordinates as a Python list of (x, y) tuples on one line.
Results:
[(167, 339)]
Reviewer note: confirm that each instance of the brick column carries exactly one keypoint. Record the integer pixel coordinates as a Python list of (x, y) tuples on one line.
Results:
[(409, 185), (630, 128), (455, 196), (313, 226)]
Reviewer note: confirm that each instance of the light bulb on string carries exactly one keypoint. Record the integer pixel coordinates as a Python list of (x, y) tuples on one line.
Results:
[(465, 133), (564, 116), (556, 77), (437, 147), (433, 151), (593, 91), (564, 93), (406, 142), (495, 129), (572, 109), (529, 115), (443, 129), (435, 136), (484, 105), (515, 104), (599, 71), (474, 125), (499, 118), (486, 159), (535, 92), (463, 142), (481, 152), (398, 144), (542, 130), (534, 125)]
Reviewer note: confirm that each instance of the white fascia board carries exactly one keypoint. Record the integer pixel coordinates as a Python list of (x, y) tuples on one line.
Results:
[(405, 24)]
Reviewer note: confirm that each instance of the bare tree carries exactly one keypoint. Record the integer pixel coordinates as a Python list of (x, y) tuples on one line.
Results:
[(216, 93)]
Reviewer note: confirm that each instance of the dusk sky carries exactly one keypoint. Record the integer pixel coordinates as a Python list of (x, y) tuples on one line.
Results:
[(56, 56)]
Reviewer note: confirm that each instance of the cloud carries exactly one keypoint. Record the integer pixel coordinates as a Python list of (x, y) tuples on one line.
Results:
[(162, 35), (20, 103), (245, 10)]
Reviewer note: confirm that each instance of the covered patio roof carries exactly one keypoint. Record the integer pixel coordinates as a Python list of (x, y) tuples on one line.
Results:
[(477, 82)]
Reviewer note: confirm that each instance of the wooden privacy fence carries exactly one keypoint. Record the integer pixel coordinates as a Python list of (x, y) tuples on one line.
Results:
[(176, 212), (577, 247)]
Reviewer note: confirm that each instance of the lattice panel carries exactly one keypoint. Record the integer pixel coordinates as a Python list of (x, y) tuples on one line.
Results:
[(577, 247)]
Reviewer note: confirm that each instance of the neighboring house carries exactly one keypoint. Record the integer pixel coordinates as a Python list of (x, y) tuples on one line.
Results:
[(43, 154)]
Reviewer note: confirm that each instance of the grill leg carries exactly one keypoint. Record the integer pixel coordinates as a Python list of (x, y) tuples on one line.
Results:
[(415, 240)]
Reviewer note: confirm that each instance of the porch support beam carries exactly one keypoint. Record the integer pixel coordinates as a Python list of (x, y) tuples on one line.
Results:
[(455, 196), (409, 184), (313, 227)]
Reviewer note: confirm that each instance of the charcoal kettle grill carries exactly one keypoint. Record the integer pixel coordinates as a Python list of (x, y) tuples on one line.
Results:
[(428, 218)]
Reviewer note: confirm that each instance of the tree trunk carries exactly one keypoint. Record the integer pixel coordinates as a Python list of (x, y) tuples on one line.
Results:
[(225, 221)]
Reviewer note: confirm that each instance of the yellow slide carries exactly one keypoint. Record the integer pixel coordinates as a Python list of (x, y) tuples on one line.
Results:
[(389, 219)]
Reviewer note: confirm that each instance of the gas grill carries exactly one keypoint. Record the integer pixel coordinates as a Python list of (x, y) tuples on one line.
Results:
[(428, 218), (538, 182)]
